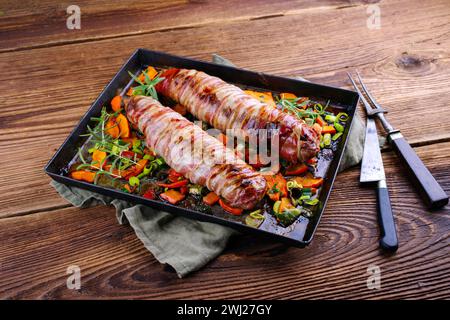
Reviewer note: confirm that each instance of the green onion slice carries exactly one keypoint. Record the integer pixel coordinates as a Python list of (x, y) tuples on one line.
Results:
[(339, 127), (133, 181), (312, 202), (257, 215), (342, 116), (336, 136)]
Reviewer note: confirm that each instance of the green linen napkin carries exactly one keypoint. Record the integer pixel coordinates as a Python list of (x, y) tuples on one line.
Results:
[(184, 244)]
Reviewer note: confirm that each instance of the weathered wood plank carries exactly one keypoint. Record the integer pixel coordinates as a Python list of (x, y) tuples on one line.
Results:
[(36, 250), (32, 23), (44, 92)]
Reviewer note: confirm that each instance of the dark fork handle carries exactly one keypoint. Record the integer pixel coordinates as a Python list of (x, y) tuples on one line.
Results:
[(430, 190), (386, 221)]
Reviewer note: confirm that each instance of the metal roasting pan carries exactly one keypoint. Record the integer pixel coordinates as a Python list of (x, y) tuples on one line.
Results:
[(299, 237)]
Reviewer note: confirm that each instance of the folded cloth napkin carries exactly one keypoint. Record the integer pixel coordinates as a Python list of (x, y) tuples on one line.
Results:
[(184, 244)]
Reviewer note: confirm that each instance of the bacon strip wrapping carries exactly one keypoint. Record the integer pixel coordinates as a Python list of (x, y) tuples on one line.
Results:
[(194, 153), (225, 106)]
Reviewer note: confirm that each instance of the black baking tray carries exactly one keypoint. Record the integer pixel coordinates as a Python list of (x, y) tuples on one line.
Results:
[(340, 98)]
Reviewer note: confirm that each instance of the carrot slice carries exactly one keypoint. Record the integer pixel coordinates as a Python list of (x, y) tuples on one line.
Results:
[(276, 186), (211, 198), (130, 92), (98, 159), (124, 126), (112, 128), (172, 196), (83, 175), (328, 129), (320, 121), (151, 72), (229, 209), (309, 181), (116, 103), (264, 97), (286, 95)]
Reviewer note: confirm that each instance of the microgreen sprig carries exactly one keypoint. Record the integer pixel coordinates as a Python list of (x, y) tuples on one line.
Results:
[(146, 87)]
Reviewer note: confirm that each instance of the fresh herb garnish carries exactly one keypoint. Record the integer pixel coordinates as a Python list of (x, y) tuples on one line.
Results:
[(146, 87)]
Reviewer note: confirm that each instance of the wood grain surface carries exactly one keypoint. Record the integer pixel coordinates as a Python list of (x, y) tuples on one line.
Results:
[(50, 76), (37, 249)]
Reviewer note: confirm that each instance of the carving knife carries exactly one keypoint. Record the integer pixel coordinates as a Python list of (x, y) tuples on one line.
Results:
[(432, 193), (372, 170)]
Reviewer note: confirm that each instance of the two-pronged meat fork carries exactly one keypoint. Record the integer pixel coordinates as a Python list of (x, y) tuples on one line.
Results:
[(430, 190)]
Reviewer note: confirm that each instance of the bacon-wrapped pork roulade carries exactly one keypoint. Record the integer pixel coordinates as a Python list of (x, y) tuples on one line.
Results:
[(195, 154), (225, 106)]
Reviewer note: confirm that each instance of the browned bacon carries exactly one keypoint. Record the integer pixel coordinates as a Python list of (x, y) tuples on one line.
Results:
[(195, 154), (225, 106)]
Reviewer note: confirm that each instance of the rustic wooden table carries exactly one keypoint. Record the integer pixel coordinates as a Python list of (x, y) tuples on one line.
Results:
[(51, 74)]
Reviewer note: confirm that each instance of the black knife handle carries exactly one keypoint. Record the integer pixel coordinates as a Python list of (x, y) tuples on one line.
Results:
[(430, 190), (386, 221)]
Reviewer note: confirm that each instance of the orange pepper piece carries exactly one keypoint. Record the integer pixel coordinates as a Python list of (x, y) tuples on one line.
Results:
[(172, 196), (211, 198)]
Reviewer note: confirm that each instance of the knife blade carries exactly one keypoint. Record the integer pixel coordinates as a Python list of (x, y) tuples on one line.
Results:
[(372, 170), (372, 164)]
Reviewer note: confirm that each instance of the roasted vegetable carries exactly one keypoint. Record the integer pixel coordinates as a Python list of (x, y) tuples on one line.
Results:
[(174, 185), (151, 73), (309, 181), (264, 97), (276, 186), (98, 159), (288, 216), (83, 175), (111, 128), (150, 194), (328, 129), (116, 103), (229, 209), (172, 196), (286, 95), (124, 127), (211, 198), (254, 219)]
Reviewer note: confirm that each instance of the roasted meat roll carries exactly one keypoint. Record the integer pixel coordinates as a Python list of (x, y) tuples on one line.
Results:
[(225, 106), (194, 153)]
